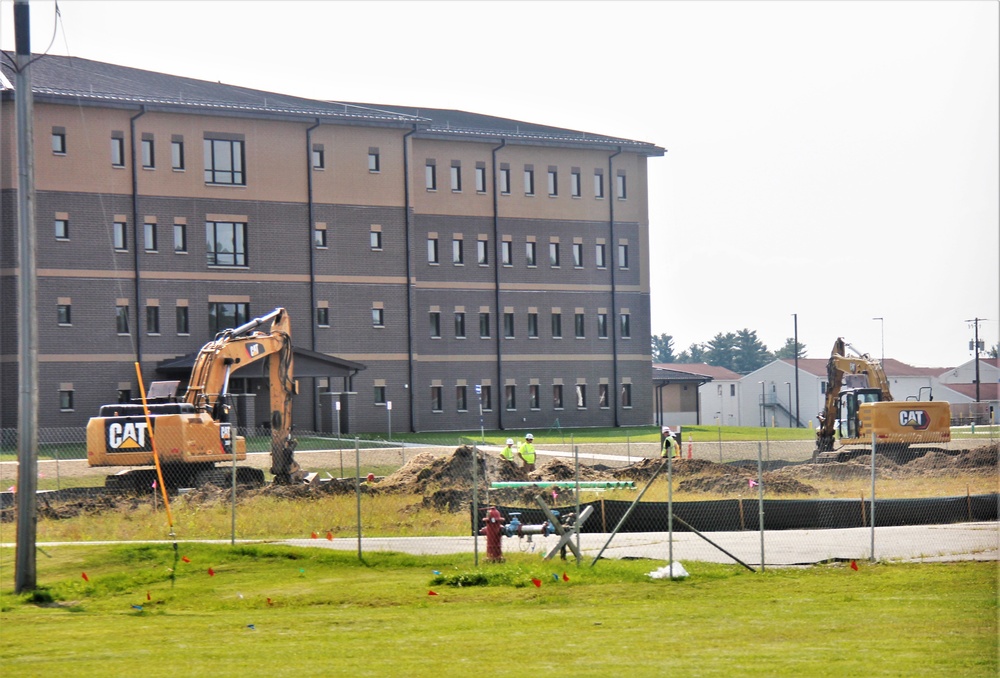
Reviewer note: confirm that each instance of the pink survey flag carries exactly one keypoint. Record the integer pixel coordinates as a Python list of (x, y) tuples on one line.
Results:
[(536, 582), (753, 483)]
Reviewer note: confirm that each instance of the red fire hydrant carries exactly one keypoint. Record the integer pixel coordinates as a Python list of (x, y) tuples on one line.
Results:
[(493, 529)]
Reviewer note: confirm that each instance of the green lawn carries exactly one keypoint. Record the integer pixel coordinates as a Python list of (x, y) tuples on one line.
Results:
[(283, 611)]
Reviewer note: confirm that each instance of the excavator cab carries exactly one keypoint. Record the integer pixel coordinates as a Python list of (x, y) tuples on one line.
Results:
[(849, 423)]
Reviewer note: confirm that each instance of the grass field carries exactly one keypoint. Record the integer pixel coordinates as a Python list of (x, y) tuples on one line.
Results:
[(270, 610)]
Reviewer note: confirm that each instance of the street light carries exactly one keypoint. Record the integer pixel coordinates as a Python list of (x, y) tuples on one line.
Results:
[(882, 324)]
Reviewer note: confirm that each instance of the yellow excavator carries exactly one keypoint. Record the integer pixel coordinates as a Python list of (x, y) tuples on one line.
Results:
[(858, 404), (194, 434)]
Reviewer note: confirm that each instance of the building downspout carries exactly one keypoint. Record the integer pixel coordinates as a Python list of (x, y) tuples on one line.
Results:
[(135, 231), (311, 216), (496, 281), (613, 255), (409, 280)]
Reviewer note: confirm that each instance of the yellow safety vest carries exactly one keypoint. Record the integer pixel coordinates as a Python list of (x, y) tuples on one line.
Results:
[(508, 453), (528, 453)]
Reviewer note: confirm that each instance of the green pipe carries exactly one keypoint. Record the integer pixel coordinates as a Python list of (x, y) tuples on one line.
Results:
[(606, 484)]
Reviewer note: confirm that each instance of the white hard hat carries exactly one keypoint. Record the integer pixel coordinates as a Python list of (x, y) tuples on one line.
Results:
[(510, 441), (529, 437)]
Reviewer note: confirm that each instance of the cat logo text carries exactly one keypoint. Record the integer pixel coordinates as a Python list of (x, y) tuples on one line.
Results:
[(918, 420), (127, 435)]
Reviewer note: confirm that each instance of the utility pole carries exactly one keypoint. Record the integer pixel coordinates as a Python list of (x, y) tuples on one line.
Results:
[(975, 347), (25, 575), (798, 420)]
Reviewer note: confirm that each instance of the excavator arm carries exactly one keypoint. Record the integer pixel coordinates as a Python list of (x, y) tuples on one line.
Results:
[(840, 365)]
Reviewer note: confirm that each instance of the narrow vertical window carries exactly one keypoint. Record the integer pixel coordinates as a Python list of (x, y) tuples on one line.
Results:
[(152, 320), (574, 183), (374, 160), (177, 153), (66, 400), (531, 252), (117, 150), (510, 397), (578, 255), (62, 229), (180, 238), (432, 250), (121, 319), (480, 177), (323, 316), (553, 182), (484, 325), (430, 176), (120, 236), (456, 176), (622, 188), (598, 184), (505, 181), (59, 140), (435, 319), (600, 256), (457, 251), (602, 325), (580, 325), (626, 395), (623, 255), (375, 238), (436, 404), (602, 396), (378, 317), (148, 156), (557, 396), (626, 326), (554, 254), (581, 396), (529, 180), (183, 320), (506, 253), (318, 157), (533, 397), (556, 325), (320, 237), (508, 325), (487, 398), (460, 325), (63, 314), (483, 252), (532, 325), (461, 399), (149, 237)]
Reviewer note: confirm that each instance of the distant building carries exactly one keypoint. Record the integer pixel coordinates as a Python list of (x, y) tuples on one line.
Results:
[(682, 394), (443, 251)]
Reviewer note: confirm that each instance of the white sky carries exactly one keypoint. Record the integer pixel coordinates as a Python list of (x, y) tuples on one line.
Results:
[(837, 160)]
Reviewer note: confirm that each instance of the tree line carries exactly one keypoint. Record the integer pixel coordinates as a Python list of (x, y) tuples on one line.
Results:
[(742, 351)]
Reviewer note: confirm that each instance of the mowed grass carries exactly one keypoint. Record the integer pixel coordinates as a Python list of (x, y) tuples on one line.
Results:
[(271, 610)]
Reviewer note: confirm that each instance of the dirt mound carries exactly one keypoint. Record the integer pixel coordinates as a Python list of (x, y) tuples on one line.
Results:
[(932, 461), (985, 456), (560, 470), (644, 469), (774, 483), (849, 470)]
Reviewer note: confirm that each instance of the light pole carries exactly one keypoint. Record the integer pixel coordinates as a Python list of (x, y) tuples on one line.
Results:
[(763, 422), (798, 419), (976, 347), (789, 385), (882, 325)]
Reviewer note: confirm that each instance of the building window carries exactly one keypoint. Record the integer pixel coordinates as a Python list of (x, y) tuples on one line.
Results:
[(626, 326), (602, 396), (626, 395), (152, 320), (375, 239), (121, 319), (436, 405), (62, 229), (533, 397), (149, 237), (623, 256), (224, 162), (532, 325), (574, 183), (457, 252), (556, 325), (65, 401), (578, 255), (117, 151), (557, 396), (435, 325), (63, 314), (59, 141), (554, 254), (461, 401), (378, 317), (600, 259), (602, 325), (480, 178), (486, 397), (531, 252), (508, 325), (430, 176), (318, 157), (456, 177), (529, 181), (460, 325), (598, 184), (124, 395), (510, 397), (379, 395), (432, 250), (580, 325), (484, 325), (227, 315), (505, 181), (180, 238), (732, 390), (483, 252), (581, 396), (374, 160), (319, 238), (622, 192), (323, 316), (553, 183), (506, 253), (120, 236), (227, 243), (177, 154), (183, 320), (148, 157)]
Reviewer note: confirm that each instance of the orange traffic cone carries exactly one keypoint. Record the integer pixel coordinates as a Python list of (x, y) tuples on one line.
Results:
[(690, 446)]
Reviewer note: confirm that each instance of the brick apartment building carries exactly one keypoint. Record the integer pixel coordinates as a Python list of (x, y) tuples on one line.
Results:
[(419, 252)]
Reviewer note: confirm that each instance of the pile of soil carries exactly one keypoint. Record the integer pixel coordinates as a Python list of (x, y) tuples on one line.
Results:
[(739, 484)]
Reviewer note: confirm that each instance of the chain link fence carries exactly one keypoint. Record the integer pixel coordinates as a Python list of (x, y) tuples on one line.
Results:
[(758, 502)]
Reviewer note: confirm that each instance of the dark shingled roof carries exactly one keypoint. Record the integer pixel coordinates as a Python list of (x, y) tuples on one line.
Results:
[(82, 81)]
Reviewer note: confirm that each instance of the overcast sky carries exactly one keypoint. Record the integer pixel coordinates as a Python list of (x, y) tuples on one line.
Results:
[(835, 160)]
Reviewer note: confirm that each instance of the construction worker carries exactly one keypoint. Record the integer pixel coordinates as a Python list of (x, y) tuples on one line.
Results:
[(527, 452), (669, 446), (508, 452)]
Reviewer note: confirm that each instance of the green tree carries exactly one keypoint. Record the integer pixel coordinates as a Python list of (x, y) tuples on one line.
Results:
[(722, 351), (751, 353), (695, 353), (788, 350), (995, 351), (663, 348)]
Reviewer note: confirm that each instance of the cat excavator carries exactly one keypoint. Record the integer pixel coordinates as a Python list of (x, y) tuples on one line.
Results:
[(858, 404), (194, 434)]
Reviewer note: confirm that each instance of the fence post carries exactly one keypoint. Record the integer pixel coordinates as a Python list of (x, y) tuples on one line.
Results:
[(871, 511), (475, 502), (670, 512), (576, 520), (357, 486), (760, 504)]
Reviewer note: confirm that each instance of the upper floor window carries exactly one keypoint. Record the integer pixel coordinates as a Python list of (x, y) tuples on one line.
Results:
[(318, 157), (62, 229), (623, 255), (227, 315), (177, 153), (529, 180), (180, 238), (480, 177), (323, 316), (626, 326), (121, 318), (533, 325), (118, 150), (460, 325), (224, 162), (622, 188), (554, 254), (556, 325), (506, 253), (602, 325), (553, 183), (59, 140), (483, 252), (152, 320), (598, 184), (456, 176), (432, 250), (600, 259), (63, 314), (435, 319), (457, 251), (505, 181), (227, 243), (66, 400), (484, 325), (578, 255), (319, 238), (120, 235), (531, 252), (183, 318), (574, 183), (148, 156), (374, 160), (508, 325), (579, 325), (378, 316), (430, 176), (375, 238), (149, 237)]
